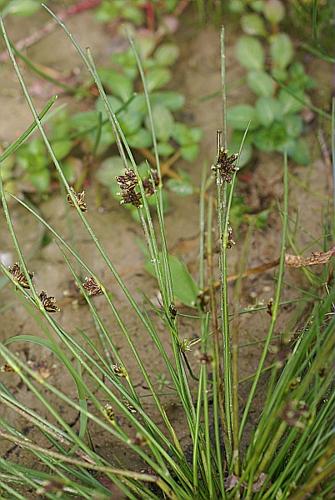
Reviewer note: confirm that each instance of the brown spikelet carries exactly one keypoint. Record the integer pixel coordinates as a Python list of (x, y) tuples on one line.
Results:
[(49, 303), (92, 287), (80, 198), (19, 276), (225, 165)]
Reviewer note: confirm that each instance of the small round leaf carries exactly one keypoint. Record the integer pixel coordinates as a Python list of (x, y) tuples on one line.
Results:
[(250, 53), (238, 117), (281, 50), (274, 11), (253, 24), (261, 83)]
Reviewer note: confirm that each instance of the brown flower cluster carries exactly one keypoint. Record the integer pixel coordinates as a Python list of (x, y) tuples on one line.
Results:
[(19, 276), (128, 184), (225, 165), (92, 287), (296, 414), (49, 303), (80, 198)]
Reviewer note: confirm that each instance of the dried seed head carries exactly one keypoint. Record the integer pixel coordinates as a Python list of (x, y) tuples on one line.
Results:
[(259, 483), (173, 311), (127, 184), (296, 413), (80, 198), (150, 183), (132, 198), (129, 406), (231, 481), (49, 303), (19, 276), (294, 383), (52, 486), (203, 357), (92, 287), (119, 371), (7, 369), (187, 344), (139, 440), (225, 165), (109, 413), (230, 241), (282, 351), (127, 181), (203, 299)]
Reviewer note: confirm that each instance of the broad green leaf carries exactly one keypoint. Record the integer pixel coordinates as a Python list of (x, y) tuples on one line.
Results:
[(180, 187), (84, 120), (114, 102), (41, 180), (250, 53), (261, 83), (165, 149), (22, 7), (62, 148), (257, 5), (138, 105), (68, 170), (272, 138), (130, 121), (166, 54), (157, 78), (289, 103), (253, 24), (298, 77), (141, 139), (236, 6), (274, 11), (118, 84), (133, 14), (268, 109), (299, 152), (281, 50), (279, 74), (163, 122), (171, 100), (145, 43), (293, 124), (184, 287), (239, 116), (190, 152)]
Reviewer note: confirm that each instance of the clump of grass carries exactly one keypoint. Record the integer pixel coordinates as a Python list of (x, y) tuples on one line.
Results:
[(289, 451)]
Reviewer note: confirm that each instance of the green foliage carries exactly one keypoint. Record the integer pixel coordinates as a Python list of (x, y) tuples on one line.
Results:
[(134, 120), (19, 7), (185, 288), (77, 135), (275, 441), (275, 121), (132, 11)]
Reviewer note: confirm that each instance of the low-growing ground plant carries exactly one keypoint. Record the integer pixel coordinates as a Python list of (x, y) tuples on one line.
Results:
[(277, 79), (287, 451), (84, 140)]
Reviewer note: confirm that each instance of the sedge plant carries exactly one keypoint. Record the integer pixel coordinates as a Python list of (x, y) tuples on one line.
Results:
[(288, 453)]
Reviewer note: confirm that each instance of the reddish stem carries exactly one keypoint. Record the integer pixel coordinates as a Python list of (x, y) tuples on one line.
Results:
[(150, 14)]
